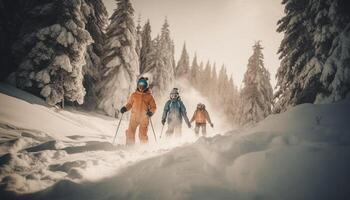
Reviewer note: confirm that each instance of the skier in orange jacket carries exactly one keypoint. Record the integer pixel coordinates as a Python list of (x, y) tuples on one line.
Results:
[(142, 106), (201, 116)]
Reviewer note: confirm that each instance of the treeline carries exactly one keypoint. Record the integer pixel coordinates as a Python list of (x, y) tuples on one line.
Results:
[(248, 105)]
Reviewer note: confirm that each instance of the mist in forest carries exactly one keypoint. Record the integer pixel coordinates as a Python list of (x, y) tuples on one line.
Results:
[(222, 31)]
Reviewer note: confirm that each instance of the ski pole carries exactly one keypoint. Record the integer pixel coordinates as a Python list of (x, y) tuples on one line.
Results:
[(161, 132), (154, 133), (115, 136)]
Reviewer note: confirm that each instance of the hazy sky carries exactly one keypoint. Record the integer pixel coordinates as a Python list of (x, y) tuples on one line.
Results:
[(223, 31)]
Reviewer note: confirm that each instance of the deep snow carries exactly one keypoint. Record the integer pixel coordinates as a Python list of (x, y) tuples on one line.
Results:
[(300, 154)]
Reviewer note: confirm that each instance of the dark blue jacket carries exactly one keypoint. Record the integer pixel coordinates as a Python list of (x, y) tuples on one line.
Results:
[(175, 110)]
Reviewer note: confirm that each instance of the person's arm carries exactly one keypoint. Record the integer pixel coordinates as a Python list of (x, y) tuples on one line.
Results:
[(193, 117), (130, 102), (208, 117), (152, 105), (166, 110), (184, 114)]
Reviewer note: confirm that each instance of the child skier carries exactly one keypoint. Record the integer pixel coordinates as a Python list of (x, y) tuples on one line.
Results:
[(142, 106), (201, 116), (174, 111)]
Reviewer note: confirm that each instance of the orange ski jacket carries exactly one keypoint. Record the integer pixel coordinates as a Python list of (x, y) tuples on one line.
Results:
[(139, 103), (201, 116)]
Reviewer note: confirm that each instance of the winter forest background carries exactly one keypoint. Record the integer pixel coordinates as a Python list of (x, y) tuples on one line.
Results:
[(73, 52), (274, 76)]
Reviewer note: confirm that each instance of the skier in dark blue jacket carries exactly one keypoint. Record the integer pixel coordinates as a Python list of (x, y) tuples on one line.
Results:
[(174, 111)]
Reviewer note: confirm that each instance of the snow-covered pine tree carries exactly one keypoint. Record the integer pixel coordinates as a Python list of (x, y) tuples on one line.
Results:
[(256, 95), (183, 65), (146, 46), (50, 51), (121, 66), (213, 85), (332, 47), (200, 76), (168, 47), (222, 82), (96, 21), (194, 72), (153, 67), (160, 66), (232, 96), (205, 80), (296, 51), (139, 38), (314, 53)]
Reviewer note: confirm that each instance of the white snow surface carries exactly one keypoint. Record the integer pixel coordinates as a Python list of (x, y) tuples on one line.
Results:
[(300, 154)]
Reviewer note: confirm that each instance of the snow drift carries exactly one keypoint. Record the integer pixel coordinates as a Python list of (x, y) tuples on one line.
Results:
[(300, 154)]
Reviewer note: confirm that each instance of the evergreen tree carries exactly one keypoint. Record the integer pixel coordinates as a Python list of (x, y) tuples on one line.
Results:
[(139, 38), (332, 46), (313, 53), (213, 85), (51, 52), (231, 107), (146, 46), (183, 66), (205, 79), (194, 73), (256, 95), (96, 18), (121, 66), (160, 66), (295, 51), (222, 84), (199, 77)]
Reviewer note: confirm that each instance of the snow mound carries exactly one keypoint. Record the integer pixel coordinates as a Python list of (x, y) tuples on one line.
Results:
[(41, 145), (303, 153)]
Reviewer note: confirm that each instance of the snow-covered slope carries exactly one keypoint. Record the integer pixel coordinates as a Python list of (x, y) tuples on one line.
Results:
[(30, 112), (300, 154), (41, 145)]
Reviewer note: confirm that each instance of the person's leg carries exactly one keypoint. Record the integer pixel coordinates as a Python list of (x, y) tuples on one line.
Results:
[(196, 129), (204, 130), (130, 138), (143, 130), (170, 131), (178, 129)]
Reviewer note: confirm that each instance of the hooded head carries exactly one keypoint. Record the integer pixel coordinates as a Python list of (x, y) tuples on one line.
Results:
[(142, 84), (200, 106), (174, 94)]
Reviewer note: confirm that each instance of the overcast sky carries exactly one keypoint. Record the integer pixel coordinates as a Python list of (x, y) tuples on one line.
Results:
[(223, 31)]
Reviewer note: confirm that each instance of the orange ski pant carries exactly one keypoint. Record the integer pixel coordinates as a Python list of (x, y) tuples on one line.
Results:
[(142, 123)]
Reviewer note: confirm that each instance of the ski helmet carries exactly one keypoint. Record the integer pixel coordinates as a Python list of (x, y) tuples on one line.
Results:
[(142, 84)]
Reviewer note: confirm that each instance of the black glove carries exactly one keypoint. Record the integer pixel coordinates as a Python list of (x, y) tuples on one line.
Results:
[(163, 121), (123, 109), (212, 125), (149, 113), (189, 125)]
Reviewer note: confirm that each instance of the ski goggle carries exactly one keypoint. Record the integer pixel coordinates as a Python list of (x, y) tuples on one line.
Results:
[(174, 95)]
